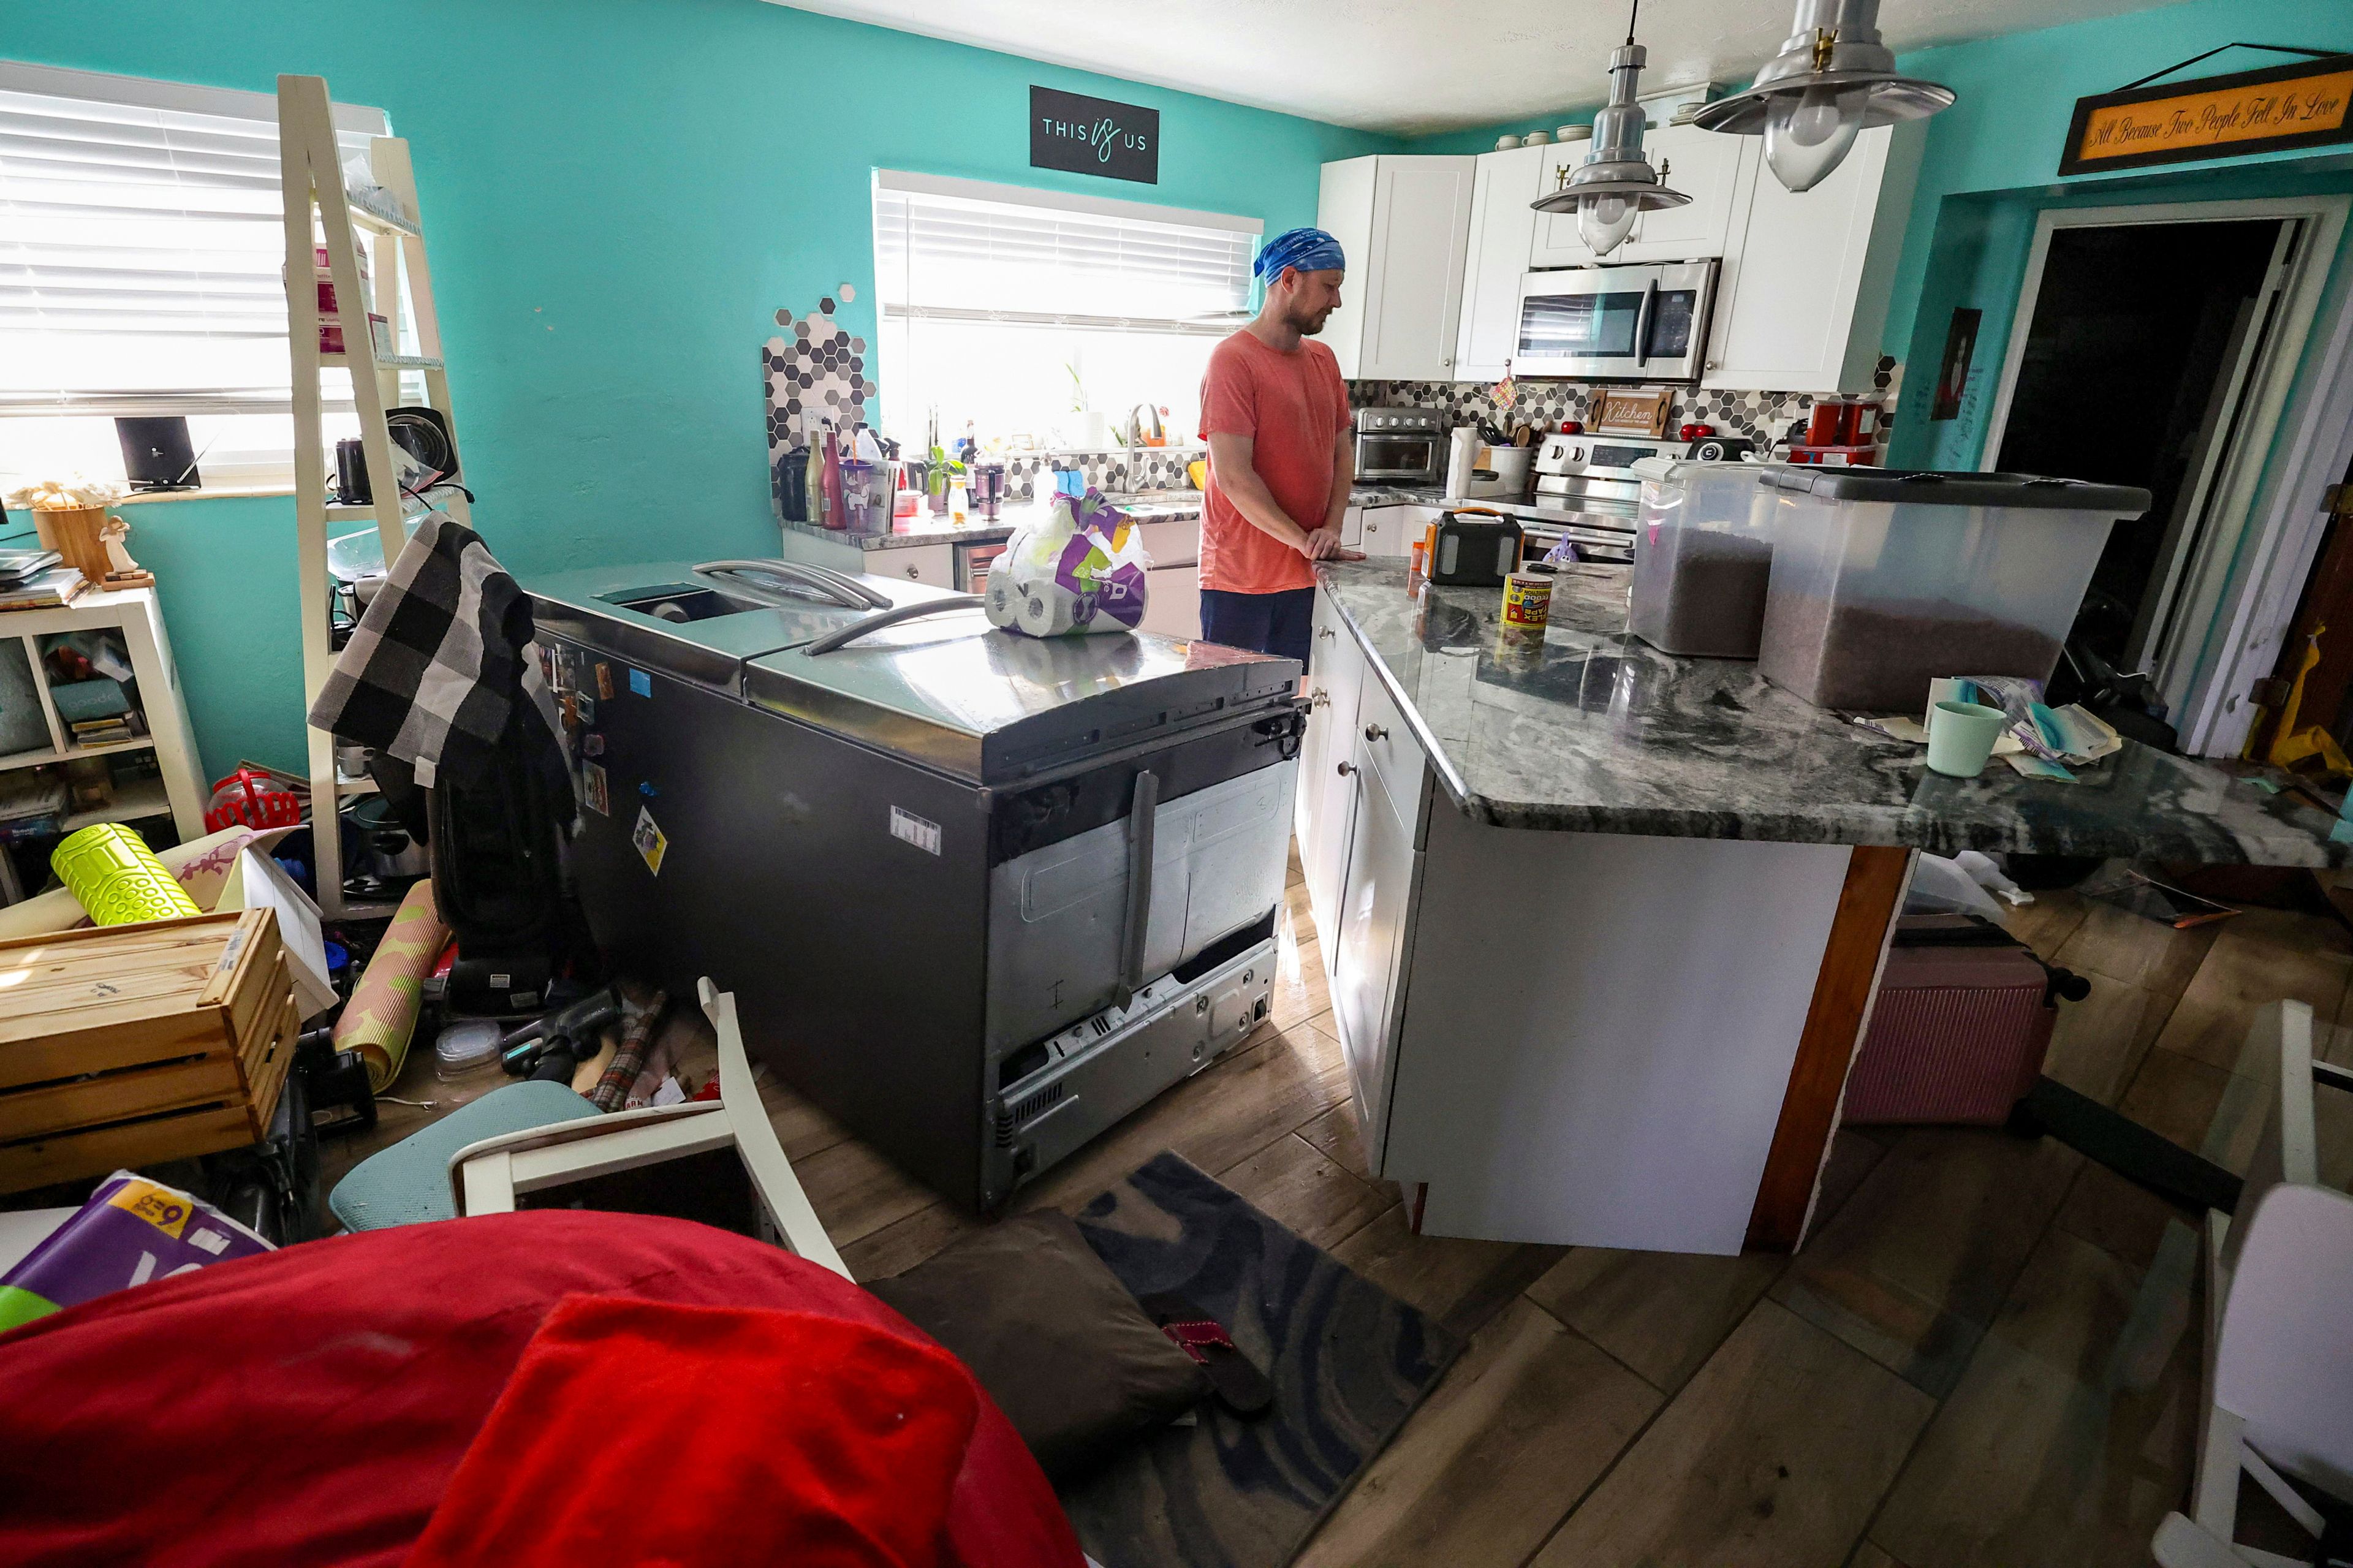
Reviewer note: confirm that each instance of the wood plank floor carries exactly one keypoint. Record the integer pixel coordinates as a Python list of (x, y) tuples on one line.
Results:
[(1987, 1353)]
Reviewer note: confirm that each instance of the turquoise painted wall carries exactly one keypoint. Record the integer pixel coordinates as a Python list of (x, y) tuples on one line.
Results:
[(620, 194), (1990, 165)]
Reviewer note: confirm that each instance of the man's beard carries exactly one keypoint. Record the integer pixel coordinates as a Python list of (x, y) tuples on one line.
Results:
[(1307, 323)]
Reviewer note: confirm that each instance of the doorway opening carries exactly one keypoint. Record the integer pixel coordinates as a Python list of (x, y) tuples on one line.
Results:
[(2143, 364)]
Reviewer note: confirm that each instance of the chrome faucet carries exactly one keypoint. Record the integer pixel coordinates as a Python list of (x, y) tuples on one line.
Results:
[(1135, 443)]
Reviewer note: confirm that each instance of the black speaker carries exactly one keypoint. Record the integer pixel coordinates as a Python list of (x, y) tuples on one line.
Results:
[(156, 453)]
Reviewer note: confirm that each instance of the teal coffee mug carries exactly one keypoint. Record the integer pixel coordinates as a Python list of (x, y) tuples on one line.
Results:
[(1962, 738)]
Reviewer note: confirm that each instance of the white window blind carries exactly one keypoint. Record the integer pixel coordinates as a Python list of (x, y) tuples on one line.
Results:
[(141, 245), (945, 251)]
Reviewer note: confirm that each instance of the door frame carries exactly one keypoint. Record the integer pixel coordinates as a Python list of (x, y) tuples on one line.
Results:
[(2190, 678)]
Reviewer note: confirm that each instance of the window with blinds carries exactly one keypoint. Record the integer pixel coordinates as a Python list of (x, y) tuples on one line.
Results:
[(141, 244), (1019, 312)]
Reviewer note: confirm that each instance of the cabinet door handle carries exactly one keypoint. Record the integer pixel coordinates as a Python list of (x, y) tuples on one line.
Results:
[(1348, 768), (1374, 732), (911, 571), (1323, 631), (1319, 698)]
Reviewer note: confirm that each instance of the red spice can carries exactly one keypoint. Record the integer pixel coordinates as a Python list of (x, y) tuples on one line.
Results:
[(1527, 600)]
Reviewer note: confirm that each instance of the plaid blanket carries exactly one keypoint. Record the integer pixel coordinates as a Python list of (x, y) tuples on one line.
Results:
[(440, 665)]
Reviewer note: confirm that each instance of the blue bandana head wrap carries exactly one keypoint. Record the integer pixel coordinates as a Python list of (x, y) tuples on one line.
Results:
[(1308, 250)]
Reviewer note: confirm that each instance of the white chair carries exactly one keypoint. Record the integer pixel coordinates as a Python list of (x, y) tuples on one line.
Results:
[(537, 1166), (2279, 1342)]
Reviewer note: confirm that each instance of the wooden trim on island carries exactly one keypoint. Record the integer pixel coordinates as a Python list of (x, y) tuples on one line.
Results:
[(1867, 906)]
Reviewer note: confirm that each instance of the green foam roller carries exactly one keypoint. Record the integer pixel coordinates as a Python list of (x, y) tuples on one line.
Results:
[(117, 878)]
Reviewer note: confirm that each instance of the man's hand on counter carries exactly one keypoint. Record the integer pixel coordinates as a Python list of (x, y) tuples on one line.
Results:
[(1324, 544)]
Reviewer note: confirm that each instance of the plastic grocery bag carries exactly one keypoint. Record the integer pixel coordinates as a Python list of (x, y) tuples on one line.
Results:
[(1076, 567)]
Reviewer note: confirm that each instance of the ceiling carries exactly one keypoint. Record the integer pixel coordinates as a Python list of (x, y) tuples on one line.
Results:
[(1410, 67)]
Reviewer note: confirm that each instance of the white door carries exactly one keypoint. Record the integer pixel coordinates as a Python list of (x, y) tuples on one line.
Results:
[(1786, 308), (1502, 230), (1375, 894), (1556, 242), (1334, 677), (1413, 275), (1710, 168)]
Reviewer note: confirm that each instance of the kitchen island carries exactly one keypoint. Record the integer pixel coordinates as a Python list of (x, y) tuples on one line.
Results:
[(1603, 926)]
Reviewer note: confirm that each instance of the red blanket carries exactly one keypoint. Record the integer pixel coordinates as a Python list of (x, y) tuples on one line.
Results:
[(314, 1406)]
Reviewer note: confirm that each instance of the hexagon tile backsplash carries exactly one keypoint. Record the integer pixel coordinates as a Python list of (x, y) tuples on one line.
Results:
[(1762, 415)]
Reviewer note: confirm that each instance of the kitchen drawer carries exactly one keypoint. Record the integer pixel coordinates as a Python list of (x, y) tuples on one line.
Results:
[(1383, 743), (934, 565)]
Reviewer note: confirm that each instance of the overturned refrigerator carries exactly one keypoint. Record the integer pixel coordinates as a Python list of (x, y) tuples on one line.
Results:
[(978, 895)]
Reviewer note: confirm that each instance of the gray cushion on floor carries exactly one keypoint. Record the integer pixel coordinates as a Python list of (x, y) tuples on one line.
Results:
[(409, 1183), (1053, 1336)]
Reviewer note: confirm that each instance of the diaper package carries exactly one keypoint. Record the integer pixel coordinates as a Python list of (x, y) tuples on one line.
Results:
[(1077, 567)]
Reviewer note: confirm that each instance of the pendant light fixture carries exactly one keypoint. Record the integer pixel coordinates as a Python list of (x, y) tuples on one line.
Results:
[(1616, 181), (1832, 78)]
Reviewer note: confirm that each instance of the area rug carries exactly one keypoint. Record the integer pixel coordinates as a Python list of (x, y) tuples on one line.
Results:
[(1349, 1362)]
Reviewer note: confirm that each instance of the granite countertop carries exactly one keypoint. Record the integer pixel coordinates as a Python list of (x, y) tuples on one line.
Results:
[(907, 532), (1598, 732), (1374, 494)]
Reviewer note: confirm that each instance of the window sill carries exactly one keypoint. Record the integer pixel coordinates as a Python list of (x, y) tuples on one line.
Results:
[(209, 492)]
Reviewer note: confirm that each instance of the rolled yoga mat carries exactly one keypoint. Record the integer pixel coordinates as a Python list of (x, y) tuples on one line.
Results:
[(382, 1013), (117, 878)]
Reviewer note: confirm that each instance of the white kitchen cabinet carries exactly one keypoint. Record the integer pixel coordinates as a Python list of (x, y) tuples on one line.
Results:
[(1172, 602), (1387, 776), (1713, 169), (1391, 531), (1326, 800), (1403, 223), (1503, 232), (1556, 242), (930, 565), (934, 565), (1806, 277)]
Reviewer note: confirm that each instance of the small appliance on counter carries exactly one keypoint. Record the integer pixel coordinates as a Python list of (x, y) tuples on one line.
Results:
[(1470, 548), (1401, 445), (987, 491)]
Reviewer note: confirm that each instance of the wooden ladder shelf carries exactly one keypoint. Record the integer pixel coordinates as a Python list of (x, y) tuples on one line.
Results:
[(320, 212)]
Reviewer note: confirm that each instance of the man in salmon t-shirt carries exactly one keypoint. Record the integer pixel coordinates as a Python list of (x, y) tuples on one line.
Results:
[(1276, 414)]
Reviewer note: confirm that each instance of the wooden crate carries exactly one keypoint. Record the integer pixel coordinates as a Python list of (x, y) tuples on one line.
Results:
[(126, 1045)]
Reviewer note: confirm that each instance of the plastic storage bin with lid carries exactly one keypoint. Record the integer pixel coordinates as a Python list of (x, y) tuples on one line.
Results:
[(1884, 579), (1703, 553)]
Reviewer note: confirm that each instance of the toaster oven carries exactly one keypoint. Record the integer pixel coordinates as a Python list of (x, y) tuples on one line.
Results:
[(1401, 445)]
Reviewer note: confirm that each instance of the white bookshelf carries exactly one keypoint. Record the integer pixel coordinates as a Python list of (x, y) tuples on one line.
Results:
[(136, 616)]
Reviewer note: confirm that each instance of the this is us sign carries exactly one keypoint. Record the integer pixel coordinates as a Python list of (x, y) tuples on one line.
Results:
[(1093, 136)]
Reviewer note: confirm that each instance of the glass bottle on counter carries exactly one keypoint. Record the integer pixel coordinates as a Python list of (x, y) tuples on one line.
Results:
[(837, 514), (813, 481)]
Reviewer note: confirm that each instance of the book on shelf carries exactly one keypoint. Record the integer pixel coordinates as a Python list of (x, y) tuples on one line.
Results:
[(32, 800), (45, 590), (98, 700), (17, 565)]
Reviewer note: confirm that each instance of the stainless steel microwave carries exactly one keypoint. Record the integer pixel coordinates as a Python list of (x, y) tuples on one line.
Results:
[(1646, 323)]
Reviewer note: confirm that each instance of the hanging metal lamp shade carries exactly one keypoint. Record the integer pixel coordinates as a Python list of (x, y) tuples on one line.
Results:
[(1616, 181), (1832, 79)]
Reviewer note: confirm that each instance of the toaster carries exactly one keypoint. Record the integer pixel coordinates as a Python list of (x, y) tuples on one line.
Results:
[(1473, 550)]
